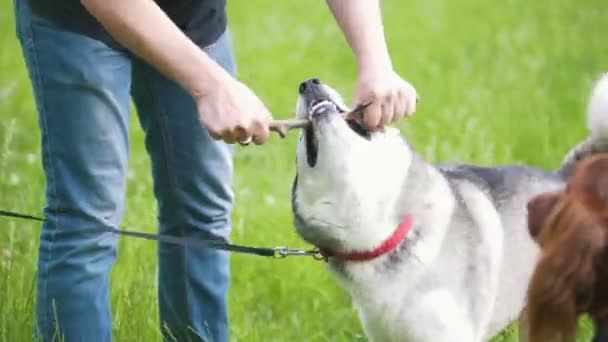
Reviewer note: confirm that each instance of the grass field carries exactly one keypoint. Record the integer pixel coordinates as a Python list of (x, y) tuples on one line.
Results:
[(500, 82)]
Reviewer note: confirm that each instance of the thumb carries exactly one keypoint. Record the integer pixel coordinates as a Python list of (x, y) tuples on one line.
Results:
[(372, 115)]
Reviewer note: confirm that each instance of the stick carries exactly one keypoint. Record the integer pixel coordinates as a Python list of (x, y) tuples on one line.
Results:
[(284, 126)]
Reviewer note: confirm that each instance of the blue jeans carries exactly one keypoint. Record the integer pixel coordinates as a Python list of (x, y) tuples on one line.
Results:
[(82, 90), (601, 333)]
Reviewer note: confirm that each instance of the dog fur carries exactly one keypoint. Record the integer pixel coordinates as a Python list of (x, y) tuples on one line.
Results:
[(571, 277), (462, 272)]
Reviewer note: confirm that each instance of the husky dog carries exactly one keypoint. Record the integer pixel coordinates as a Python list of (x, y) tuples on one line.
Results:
[(427, 252)]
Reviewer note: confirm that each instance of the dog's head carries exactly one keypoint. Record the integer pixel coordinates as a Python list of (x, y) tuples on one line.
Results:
[(348, 177), (571, 228), (589, 179)]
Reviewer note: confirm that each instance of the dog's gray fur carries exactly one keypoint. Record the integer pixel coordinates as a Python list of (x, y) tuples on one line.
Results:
[(462, 272)]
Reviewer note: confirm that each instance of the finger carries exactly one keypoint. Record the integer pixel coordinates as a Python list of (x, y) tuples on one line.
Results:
[(261, 127), (386, 115), (411, 106), (246, 142), (401, 106), (260, 139), (214, 135), (387, 112), (228, 136), (396, 114), (372, 114), (216, 132), (260, 133), (242, 136), (241, 133), (412, 101)]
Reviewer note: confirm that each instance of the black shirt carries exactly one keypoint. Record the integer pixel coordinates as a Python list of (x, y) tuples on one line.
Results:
[(203, 21)]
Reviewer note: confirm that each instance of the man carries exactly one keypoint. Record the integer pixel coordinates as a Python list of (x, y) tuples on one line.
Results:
[(173, 57)]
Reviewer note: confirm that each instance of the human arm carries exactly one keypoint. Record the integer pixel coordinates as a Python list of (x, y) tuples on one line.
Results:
[(390, 96), (228, 109)]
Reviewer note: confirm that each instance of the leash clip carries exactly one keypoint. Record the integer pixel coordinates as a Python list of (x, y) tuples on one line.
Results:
[(284, 252)]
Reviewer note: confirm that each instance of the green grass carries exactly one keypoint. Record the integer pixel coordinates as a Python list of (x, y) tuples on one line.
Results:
[(500, 81)]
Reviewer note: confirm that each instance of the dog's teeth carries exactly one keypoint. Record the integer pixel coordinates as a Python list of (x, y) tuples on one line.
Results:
[(316, 106), (320, 104)]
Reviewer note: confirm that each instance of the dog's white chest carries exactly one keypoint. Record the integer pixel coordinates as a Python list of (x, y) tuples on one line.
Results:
[(418, 316)]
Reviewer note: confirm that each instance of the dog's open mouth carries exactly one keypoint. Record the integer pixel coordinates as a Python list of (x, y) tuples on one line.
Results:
[(323, 105), (312, 146), (315, 107)]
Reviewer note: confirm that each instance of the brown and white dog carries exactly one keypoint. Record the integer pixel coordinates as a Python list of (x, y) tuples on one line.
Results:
[(571, 277), (428, 253)]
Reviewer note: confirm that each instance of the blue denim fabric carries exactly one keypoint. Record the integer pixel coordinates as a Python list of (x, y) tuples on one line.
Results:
[(601, 333), (82, 90)]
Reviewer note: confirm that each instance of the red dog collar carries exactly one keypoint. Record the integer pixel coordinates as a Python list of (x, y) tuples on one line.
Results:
[(387, 246)]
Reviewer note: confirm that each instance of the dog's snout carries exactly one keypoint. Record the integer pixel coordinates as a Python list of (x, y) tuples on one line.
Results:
[(308, 85)]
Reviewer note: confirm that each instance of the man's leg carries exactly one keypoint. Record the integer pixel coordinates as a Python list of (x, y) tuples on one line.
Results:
[(601, 333), (81, 89), (193, 186)]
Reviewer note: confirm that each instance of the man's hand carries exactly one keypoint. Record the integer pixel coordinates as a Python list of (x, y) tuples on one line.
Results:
[(233, 113), (390, 98)]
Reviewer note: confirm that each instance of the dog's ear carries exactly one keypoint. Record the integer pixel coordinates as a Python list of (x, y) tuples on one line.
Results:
[(539, 209), (591, 176)]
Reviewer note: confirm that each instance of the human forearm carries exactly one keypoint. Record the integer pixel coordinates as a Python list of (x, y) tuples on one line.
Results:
[(142, 27), (361, 23), (227, 108), (387, 95)]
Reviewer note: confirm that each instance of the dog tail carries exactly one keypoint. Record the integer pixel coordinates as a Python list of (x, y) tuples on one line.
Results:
[(597, 112), (597, 124), (562, 283)]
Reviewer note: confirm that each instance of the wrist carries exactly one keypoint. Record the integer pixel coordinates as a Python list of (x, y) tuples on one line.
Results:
[(375, 60), (206, 78)]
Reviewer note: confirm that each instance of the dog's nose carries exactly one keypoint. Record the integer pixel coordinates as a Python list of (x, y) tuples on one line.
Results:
[(308, 84)]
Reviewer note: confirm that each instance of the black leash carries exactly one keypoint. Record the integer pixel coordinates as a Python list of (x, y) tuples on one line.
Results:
[(276, 252)]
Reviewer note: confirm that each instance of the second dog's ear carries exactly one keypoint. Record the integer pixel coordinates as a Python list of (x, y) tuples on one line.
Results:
[(539, 209), (591, 176)]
